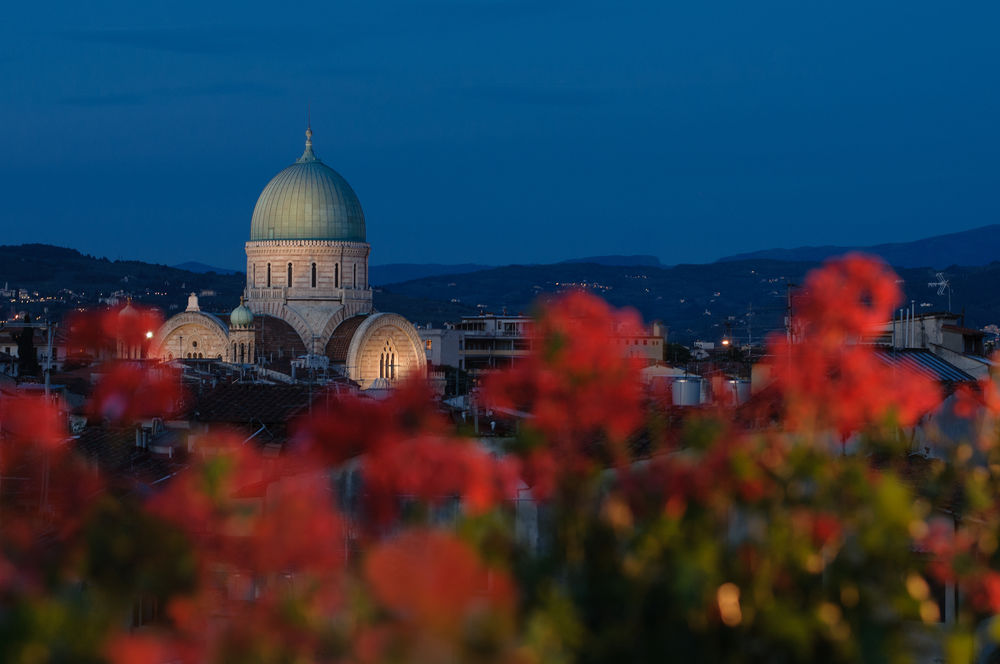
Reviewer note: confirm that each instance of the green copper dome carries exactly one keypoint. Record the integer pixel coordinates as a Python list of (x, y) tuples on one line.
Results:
[(241, 316), (308, 201)]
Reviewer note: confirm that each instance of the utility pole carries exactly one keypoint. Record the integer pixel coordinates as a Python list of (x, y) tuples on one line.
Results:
[(788, 311)]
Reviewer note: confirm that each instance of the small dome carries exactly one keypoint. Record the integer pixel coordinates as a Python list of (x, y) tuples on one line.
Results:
[(241, 316), (128, 310), (308, 201)]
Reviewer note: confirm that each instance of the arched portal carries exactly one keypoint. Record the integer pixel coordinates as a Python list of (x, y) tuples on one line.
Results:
[(377, 346), (277, 343)]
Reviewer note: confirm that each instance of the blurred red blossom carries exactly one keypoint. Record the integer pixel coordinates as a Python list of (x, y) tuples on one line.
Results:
[(346, 426), (33, 420), (139, 649), (829, 376), (847, 298), (985, 592), (129, 390), (129, 326), (46, 489), (985, 394), (263, 532), (431, 580), (432, 469), (582, 395), (405, 450)]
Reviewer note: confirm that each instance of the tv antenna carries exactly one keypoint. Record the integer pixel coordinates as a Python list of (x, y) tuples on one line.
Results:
[(943, 285)]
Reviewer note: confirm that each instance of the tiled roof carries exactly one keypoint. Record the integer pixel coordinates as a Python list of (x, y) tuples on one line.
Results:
[(336, 348), (114, 451), (246, 403), (926, 363)]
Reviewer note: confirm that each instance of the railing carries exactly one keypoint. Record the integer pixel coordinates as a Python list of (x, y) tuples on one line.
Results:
[(273, 293)]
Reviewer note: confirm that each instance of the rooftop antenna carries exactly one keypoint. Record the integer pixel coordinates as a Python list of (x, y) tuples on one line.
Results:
[(942, 284)]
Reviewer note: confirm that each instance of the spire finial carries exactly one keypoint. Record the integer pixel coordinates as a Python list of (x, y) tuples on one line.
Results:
[(308, 155)]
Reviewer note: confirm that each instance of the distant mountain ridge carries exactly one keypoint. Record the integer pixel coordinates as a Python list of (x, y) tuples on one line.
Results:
[(201, 268), (978, 246), (633, 260), (395, 272), (747, 297), (391, 273)]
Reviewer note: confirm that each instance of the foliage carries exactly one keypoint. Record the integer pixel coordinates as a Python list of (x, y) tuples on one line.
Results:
[(737, 535)]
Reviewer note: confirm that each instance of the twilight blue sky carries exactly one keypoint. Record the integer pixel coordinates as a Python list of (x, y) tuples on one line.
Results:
[(502, 131)]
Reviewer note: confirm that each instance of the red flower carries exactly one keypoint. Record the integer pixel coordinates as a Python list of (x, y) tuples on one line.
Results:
[(129, 391), (33, 420), (584, 398), (985, 592), (127, 327), (343, 427), (139, 649), (829, 377), (434, 581)]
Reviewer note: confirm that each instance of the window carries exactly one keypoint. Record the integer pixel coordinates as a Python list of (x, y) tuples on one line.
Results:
[(427, 344), (354, 284), (194, 344), (268, 275), (314, 276), (336, 275), (289, 275), (387, 362), (254, 281)]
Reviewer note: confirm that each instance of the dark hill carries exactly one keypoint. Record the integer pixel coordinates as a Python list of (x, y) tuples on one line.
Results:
[(979, 246), (695, 301), (64, 279)]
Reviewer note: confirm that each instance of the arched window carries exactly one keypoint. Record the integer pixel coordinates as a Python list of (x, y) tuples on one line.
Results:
[(254, 281), (381, 365), (234, 351), (243, 349), (314, 275), (354, 284), (393, 367), (336, 275), (268, 275), (289, 275)]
